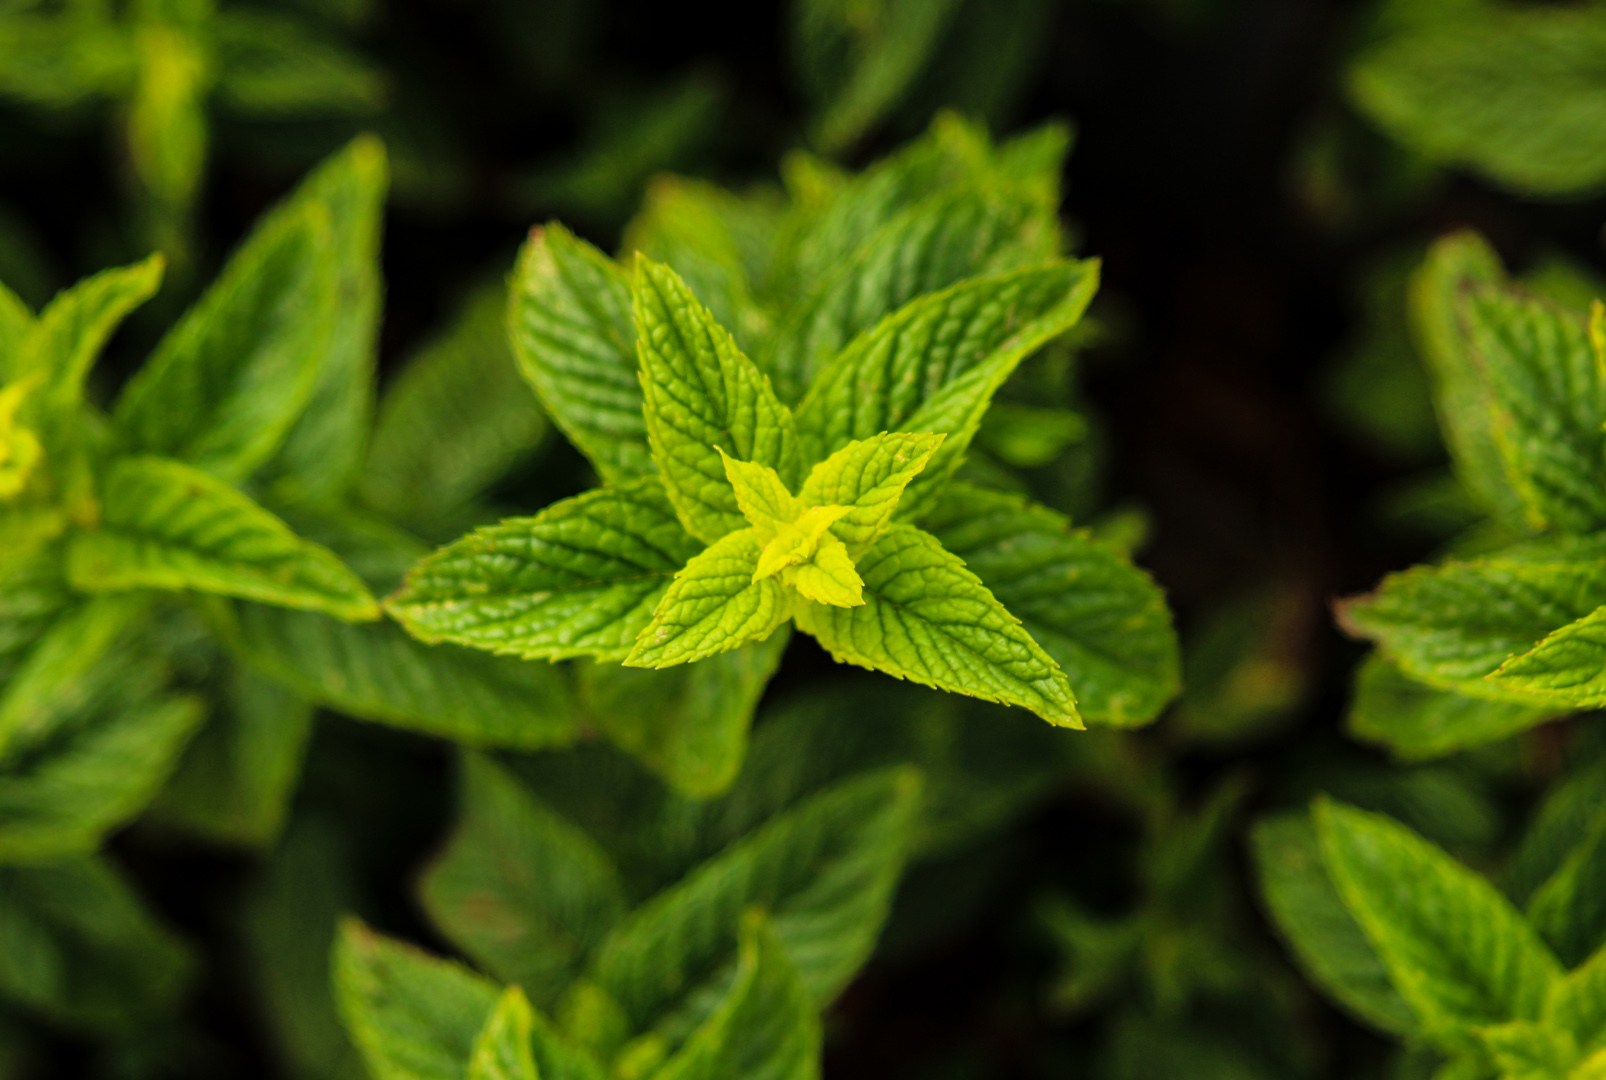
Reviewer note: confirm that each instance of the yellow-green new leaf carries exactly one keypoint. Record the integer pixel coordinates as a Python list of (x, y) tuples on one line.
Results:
[(1577, 1004), (715, 604), (167, 525), (1565, 670), (828, 577), (1454, 947), (502, 1048), (926, 618), (869, 476), (1524, 1050), (704, 399), (797, 541), (579, 579), (762, 496)]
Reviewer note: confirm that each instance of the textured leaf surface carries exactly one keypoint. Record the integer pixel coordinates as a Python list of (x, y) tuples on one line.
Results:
[(414, 1017), (1451, 625), (376, 672), (798, 541), (1516, 94), (569, 317), (1456, 949), (714, 605), (884, 377), (927, 618), (930, 246), (703, 397), (522, 891), (1102, 619), (323, 452), (455, 420), (1566, 669), (828, 577), (502, 1048), (688, 723), (224, 386), (167, 525), (1546, 393), (824, 870), (868, 475), (1418, 722), (1454, 265), (579, 579), (234, 782), (766, 1028), (77, 945), (61, 797), (1324, 937), (762, 497)]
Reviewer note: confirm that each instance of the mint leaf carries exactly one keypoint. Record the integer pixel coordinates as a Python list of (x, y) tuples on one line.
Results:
[(1524, 1050), (946, 239), (714, 605), (522, 891), (376, 672), (454, 421), (16, 320), (1454, 947), (869, 476), (1418, 722), (1307, 910), (62, 345), (82, 949), (799, 541), (502, 1048), (413, 1017), (1510, 92), (275, 66), (579, 579), (703, 397), (233, 784), (1565, 670), (762, 497), (323, 452), (60, 796), (765, 1026), (883, 378), (1454, 624), (689, 723), (1569, 907), (1545, 389), (225, 385), (167, 525), (825, 871), (569, 318), (828, 577), (1577, 1004), (1101, 619), (1454, 265), (166, 126), (927, 618)]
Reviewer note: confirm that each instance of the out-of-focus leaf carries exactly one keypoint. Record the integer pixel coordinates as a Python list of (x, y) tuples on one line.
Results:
[(413, 1017), (226, 384), (273, 65), (58, 62), (1417, 722), (376, 672), (77, 945), (689, 723), (167, 525), (1512, 92), (1569, 907), (234, 782), (167, 119), (522, 891), (455, 420), (502, 1048), (1324, 937)]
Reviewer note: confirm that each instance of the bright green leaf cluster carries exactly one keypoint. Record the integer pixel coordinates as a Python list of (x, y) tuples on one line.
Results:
[(776, 416), (1476, 648)]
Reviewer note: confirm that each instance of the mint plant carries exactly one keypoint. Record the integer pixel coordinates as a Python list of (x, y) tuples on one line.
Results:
[(776, 425), (1497, 638), (1449, 962)]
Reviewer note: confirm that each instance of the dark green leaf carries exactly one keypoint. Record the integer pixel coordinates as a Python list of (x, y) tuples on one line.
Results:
[(1416, 721)]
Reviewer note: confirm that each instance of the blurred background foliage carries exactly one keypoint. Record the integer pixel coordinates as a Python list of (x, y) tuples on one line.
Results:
[(1251, 417)]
